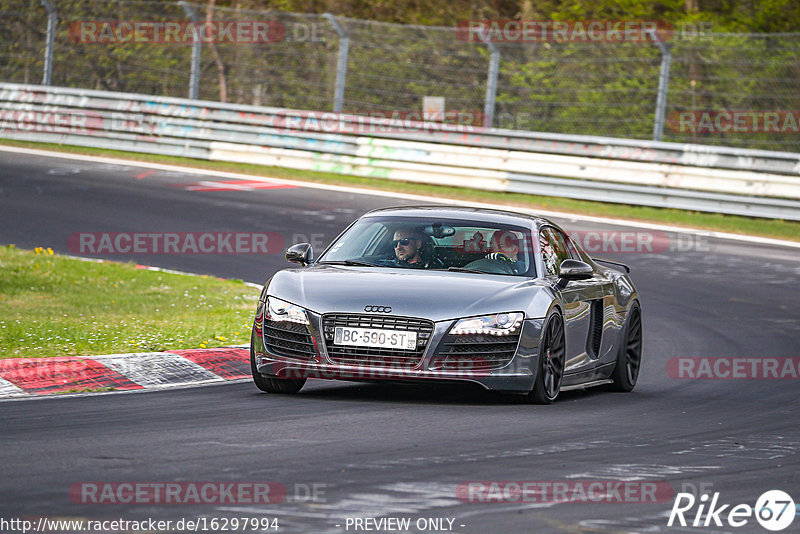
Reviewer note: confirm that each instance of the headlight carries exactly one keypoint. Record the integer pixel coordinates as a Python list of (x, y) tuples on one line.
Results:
[(280, 310), (501, 324)]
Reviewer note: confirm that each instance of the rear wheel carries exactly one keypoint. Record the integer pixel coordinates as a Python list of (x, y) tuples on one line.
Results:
[(552, 355), (272, 384), (629, 359)]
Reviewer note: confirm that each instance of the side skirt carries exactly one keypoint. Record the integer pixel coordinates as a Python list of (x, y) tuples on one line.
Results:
[(590, 377), (587, 385)]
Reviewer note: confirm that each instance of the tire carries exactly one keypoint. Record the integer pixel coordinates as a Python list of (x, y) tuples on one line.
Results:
[(629, 359), (552, 356), (270, 384)]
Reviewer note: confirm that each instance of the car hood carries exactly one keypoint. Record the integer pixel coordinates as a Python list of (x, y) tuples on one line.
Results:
[(436, 295)]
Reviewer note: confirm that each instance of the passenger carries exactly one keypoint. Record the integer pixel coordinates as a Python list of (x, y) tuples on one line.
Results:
[(505, 247)]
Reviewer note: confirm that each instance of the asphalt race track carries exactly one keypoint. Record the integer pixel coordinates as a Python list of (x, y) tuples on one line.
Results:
[(378, 451)]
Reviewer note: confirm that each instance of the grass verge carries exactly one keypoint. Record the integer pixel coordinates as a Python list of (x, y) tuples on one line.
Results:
[(57, 306), (778, 229)]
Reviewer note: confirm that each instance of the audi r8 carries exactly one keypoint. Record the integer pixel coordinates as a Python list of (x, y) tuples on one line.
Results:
[(500, 299)]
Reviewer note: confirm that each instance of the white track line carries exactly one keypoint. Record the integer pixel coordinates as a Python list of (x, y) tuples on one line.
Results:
[(405, 196), (254, 285)]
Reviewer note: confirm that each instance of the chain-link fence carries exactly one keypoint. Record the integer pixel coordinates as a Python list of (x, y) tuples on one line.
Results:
[(739, 90)]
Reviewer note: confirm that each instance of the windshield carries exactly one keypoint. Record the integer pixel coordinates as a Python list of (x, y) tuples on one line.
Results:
[(434, 243)]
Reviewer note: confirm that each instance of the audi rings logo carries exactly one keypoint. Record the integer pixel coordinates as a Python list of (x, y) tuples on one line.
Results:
[(378, 309)]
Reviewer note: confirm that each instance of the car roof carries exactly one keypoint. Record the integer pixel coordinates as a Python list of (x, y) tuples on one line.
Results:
[(457, 212)]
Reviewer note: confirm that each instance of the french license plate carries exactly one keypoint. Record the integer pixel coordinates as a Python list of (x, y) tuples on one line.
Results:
[(375, 337)]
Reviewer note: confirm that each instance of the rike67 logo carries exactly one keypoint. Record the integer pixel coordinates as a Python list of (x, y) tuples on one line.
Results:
[(774, 510)]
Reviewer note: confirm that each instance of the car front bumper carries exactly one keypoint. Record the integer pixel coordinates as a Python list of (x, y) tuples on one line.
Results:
[(517, 375)]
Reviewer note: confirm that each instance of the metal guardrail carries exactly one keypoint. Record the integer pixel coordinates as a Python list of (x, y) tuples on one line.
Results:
[(696, 177), (668, 84)]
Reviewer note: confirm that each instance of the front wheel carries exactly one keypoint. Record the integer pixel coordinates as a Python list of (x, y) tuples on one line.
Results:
[(629, 359), (271, 384), (552, 356)]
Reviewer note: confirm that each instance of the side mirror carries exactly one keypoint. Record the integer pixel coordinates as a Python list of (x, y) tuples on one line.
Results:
[(573, 270), (300, 253)]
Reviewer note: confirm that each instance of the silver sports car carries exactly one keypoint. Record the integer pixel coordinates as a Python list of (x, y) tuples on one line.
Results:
[(504, 300)]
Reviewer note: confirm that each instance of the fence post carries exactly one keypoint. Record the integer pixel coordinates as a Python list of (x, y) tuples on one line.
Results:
[(663, 86), (341, 63), (491, 83), (194, 71), (52, 21)]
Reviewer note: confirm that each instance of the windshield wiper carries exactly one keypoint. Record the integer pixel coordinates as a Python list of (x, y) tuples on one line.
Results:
[(466, 270), (357, 263)]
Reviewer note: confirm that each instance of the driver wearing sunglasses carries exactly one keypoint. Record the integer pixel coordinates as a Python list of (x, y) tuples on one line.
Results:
[(406, 243), (409, 250)]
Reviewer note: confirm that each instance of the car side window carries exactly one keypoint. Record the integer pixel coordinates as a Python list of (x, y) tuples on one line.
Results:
[(549, 257), (554, 250), (573, 250), (576, 251)]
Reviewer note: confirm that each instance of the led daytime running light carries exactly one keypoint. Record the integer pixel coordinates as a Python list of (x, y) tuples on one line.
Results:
[(282, 311), (501, 324)]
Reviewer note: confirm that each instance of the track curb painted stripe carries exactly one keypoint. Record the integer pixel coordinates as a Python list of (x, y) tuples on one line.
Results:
[(406, 196), (27, 377)]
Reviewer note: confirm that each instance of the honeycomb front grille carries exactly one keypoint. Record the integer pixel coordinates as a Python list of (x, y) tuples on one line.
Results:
[(291, 340), (376, 357), (475, 352)]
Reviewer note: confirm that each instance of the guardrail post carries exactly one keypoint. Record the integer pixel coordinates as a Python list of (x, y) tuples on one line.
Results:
[(663, 86), (491, 83), (52, 21), (194, 71), (341, 63)]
